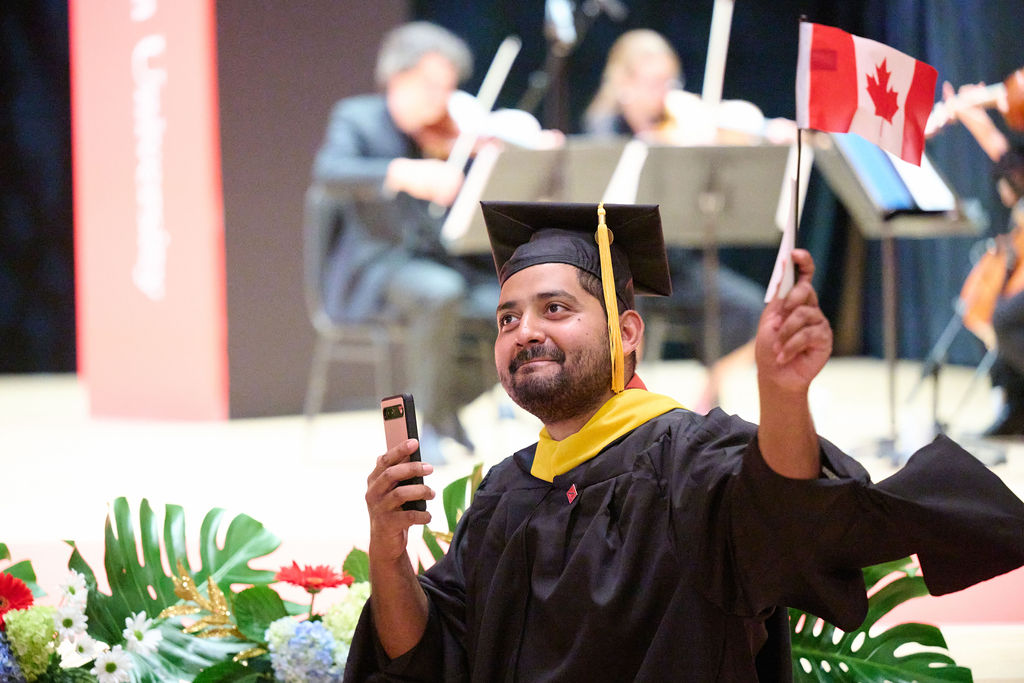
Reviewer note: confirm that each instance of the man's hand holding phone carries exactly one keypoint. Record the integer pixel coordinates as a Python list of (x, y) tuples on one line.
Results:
[(396, 483), (385, 497), (399, 413)]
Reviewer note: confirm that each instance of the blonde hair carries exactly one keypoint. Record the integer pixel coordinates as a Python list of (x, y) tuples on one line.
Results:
[(628, 50)]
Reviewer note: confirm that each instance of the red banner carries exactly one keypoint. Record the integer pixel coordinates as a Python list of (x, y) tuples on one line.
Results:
[(149, 226)]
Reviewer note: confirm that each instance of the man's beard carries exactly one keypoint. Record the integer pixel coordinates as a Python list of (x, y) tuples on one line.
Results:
[(578, 386)]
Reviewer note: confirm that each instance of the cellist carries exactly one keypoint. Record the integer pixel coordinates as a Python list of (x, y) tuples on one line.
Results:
[(994, 300)]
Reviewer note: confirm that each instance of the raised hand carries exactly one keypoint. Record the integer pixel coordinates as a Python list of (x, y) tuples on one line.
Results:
[(389, 523), (794, 339), (399, 604)]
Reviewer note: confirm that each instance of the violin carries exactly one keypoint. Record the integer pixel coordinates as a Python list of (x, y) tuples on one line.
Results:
[(689, 120), (466, 116), (437, 139), (1011, 90), (998, 273)]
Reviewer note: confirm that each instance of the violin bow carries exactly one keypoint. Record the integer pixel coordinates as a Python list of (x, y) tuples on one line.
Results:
[(493, 81)]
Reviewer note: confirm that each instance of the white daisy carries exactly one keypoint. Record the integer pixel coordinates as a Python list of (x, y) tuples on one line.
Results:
[(112, 666), (74, 589), (79, 651), (70, 621), (139, 634)]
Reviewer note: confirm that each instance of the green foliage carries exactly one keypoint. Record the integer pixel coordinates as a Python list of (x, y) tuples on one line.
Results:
[(436, 551), (22, 570), (357, 565), (255, 608), (142, 585), (250, 671), (55, 674), (822, 652), (458, 495)]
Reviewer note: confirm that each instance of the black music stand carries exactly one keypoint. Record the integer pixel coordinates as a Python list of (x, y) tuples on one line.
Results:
[(887, 199), (712, 196)]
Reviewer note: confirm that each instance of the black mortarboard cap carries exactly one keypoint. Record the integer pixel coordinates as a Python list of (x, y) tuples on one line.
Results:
[(528, 234), (618, 243)]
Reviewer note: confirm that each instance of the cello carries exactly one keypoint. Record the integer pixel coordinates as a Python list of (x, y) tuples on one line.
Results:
[(999, 272)]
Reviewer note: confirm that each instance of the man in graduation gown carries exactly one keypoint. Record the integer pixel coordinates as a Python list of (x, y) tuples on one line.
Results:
[(638, 540)]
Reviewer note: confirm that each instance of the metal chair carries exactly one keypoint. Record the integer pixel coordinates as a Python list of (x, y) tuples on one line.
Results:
[(369, 342)]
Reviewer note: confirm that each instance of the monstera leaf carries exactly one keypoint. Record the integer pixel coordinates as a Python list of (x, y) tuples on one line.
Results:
[(142, 584), (22, 570), (821, 652), (456, 497)]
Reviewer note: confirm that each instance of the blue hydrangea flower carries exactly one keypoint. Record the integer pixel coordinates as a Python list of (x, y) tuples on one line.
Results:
[(307, 656), (10, 672)]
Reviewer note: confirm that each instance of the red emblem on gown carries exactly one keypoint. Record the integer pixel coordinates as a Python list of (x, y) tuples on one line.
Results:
[(571, 493)]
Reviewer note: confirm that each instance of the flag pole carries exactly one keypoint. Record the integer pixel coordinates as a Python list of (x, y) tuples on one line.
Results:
[(796, 176), (796, 180)]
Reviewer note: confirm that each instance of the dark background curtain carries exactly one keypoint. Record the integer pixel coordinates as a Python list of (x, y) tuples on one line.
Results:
[(37, 303), (966, 40)]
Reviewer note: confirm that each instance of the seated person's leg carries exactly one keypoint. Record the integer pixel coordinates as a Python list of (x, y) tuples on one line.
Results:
[(1008, 371), (740, 304), (429, 296)]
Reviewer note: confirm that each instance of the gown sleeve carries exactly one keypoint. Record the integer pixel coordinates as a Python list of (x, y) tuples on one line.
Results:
[(771, 540)]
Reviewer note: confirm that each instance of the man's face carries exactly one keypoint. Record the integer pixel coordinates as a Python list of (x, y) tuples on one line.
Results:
[(418, 97), (551, 351)]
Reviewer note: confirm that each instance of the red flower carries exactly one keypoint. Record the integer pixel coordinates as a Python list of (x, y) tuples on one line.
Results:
[(14, 594), (313, 579)]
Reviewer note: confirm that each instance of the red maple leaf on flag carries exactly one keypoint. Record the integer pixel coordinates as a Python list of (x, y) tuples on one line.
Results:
[(881, 95)]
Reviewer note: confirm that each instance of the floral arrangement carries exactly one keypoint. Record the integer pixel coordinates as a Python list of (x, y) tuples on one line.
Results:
[(204, 630), (201, 629), (43, 643)]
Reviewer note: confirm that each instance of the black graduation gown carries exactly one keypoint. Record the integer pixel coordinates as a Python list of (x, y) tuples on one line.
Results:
[(675, 559)]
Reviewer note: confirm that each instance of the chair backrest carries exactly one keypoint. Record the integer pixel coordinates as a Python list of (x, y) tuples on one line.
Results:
[(320, 222)]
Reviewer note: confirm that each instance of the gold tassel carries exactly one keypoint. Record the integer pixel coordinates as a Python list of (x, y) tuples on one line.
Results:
[(604, 240)]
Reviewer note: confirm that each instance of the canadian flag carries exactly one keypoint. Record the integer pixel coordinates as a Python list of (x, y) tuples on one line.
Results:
[(845, 83)]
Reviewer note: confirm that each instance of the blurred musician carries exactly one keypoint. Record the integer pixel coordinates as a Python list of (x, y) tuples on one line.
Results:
[(388, 259), (995, 299), (641, 95)]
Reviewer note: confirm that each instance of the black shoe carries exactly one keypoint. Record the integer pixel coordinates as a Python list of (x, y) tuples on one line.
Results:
[(1010, 422)]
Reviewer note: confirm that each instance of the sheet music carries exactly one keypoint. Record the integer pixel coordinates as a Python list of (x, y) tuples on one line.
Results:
[(929, 190), (625, 181), (461, 215), (784, 209), (783, 276)]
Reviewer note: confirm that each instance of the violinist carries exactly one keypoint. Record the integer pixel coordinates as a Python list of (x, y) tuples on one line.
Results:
[(641, 95), (1000, 323), (388, 259)]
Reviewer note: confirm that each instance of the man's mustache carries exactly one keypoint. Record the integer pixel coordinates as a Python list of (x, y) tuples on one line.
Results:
[(531, 353)]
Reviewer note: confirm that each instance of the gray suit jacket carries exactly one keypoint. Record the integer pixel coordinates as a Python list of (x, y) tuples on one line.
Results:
[(375, 232)]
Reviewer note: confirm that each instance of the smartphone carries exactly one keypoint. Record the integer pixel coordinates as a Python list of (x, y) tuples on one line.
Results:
[(400, 424)]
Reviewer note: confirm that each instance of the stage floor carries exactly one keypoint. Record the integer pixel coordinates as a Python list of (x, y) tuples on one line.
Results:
[(60, 468)]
